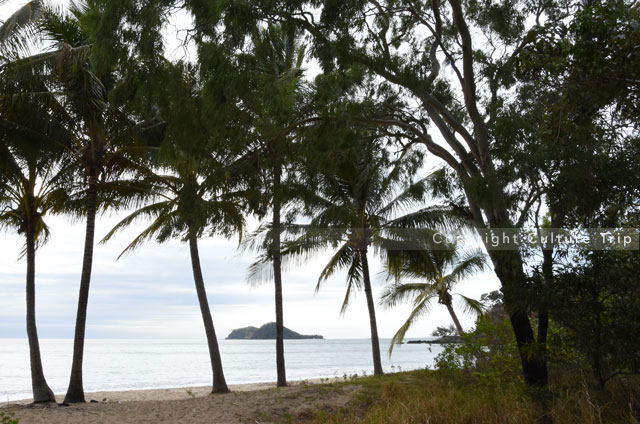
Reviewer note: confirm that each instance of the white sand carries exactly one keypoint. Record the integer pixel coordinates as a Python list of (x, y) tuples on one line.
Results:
[(176, 393)]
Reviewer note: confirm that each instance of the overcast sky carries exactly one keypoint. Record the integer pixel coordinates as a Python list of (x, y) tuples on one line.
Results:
[(150, 293)]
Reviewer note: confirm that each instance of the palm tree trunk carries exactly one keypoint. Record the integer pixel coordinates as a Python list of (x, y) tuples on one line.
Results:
[(219, 383), (277, 279), (42, 393), (454, 317), (375, 342), (75, 391)]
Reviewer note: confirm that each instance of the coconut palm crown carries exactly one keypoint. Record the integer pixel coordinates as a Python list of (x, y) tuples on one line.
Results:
[(433, 271), (360, 195)]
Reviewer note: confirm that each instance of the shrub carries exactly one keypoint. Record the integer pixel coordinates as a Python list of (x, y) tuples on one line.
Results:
[(489, 353)]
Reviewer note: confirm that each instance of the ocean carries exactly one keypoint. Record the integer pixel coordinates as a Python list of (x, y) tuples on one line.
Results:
[(114, 365)]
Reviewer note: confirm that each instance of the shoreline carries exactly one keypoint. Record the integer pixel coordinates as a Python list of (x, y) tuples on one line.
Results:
[(172, 393), (257, 402)]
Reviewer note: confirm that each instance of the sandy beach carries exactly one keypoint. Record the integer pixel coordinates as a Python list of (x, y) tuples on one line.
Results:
[(247, 403)]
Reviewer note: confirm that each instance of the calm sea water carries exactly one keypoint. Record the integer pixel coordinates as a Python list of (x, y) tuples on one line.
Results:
[(112, 365)]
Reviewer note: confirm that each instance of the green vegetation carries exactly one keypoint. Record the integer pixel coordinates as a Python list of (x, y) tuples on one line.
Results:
[(454, 397), (480, 381)]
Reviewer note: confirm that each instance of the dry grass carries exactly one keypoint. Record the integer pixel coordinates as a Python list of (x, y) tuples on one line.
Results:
[(433, 397)]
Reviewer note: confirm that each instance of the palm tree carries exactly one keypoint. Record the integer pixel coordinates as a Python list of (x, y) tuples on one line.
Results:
[(32, 183), (359, 195), (277, 99), (31, 179), (437, 270), (193, 191), (189, 206), (24, 205)]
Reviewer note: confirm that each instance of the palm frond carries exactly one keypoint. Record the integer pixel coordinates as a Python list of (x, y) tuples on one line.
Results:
[(468, 305), (63, 64), (423, 264), (397, 293), (412, 195), (299, 242), (260, 271), (18, 31), (470, 263), (150, 211), (343, 258), (433, 217), (354, 279), (257, 239), (157, 228), (418, 311)]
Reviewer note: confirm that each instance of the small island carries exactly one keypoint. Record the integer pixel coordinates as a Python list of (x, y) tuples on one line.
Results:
[(266, 332)]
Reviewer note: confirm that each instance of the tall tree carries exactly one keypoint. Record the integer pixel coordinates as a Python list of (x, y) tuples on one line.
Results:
[(194, 189), (579, 96), (276, 101), (356, 207), (570, 131), (32, 178), (189, 208), (32, 184)]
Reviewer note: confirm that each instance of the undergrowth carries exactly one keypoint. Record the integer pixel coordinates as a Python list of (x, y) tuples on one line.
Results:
[(451, 397)]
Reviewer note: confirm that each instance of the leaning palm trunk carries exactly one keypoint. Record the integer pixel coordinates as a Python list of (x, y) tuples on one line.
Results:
[(75, 392), (454, 317), (375, 342), (277, 278), (41, 391), (219, 383)]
